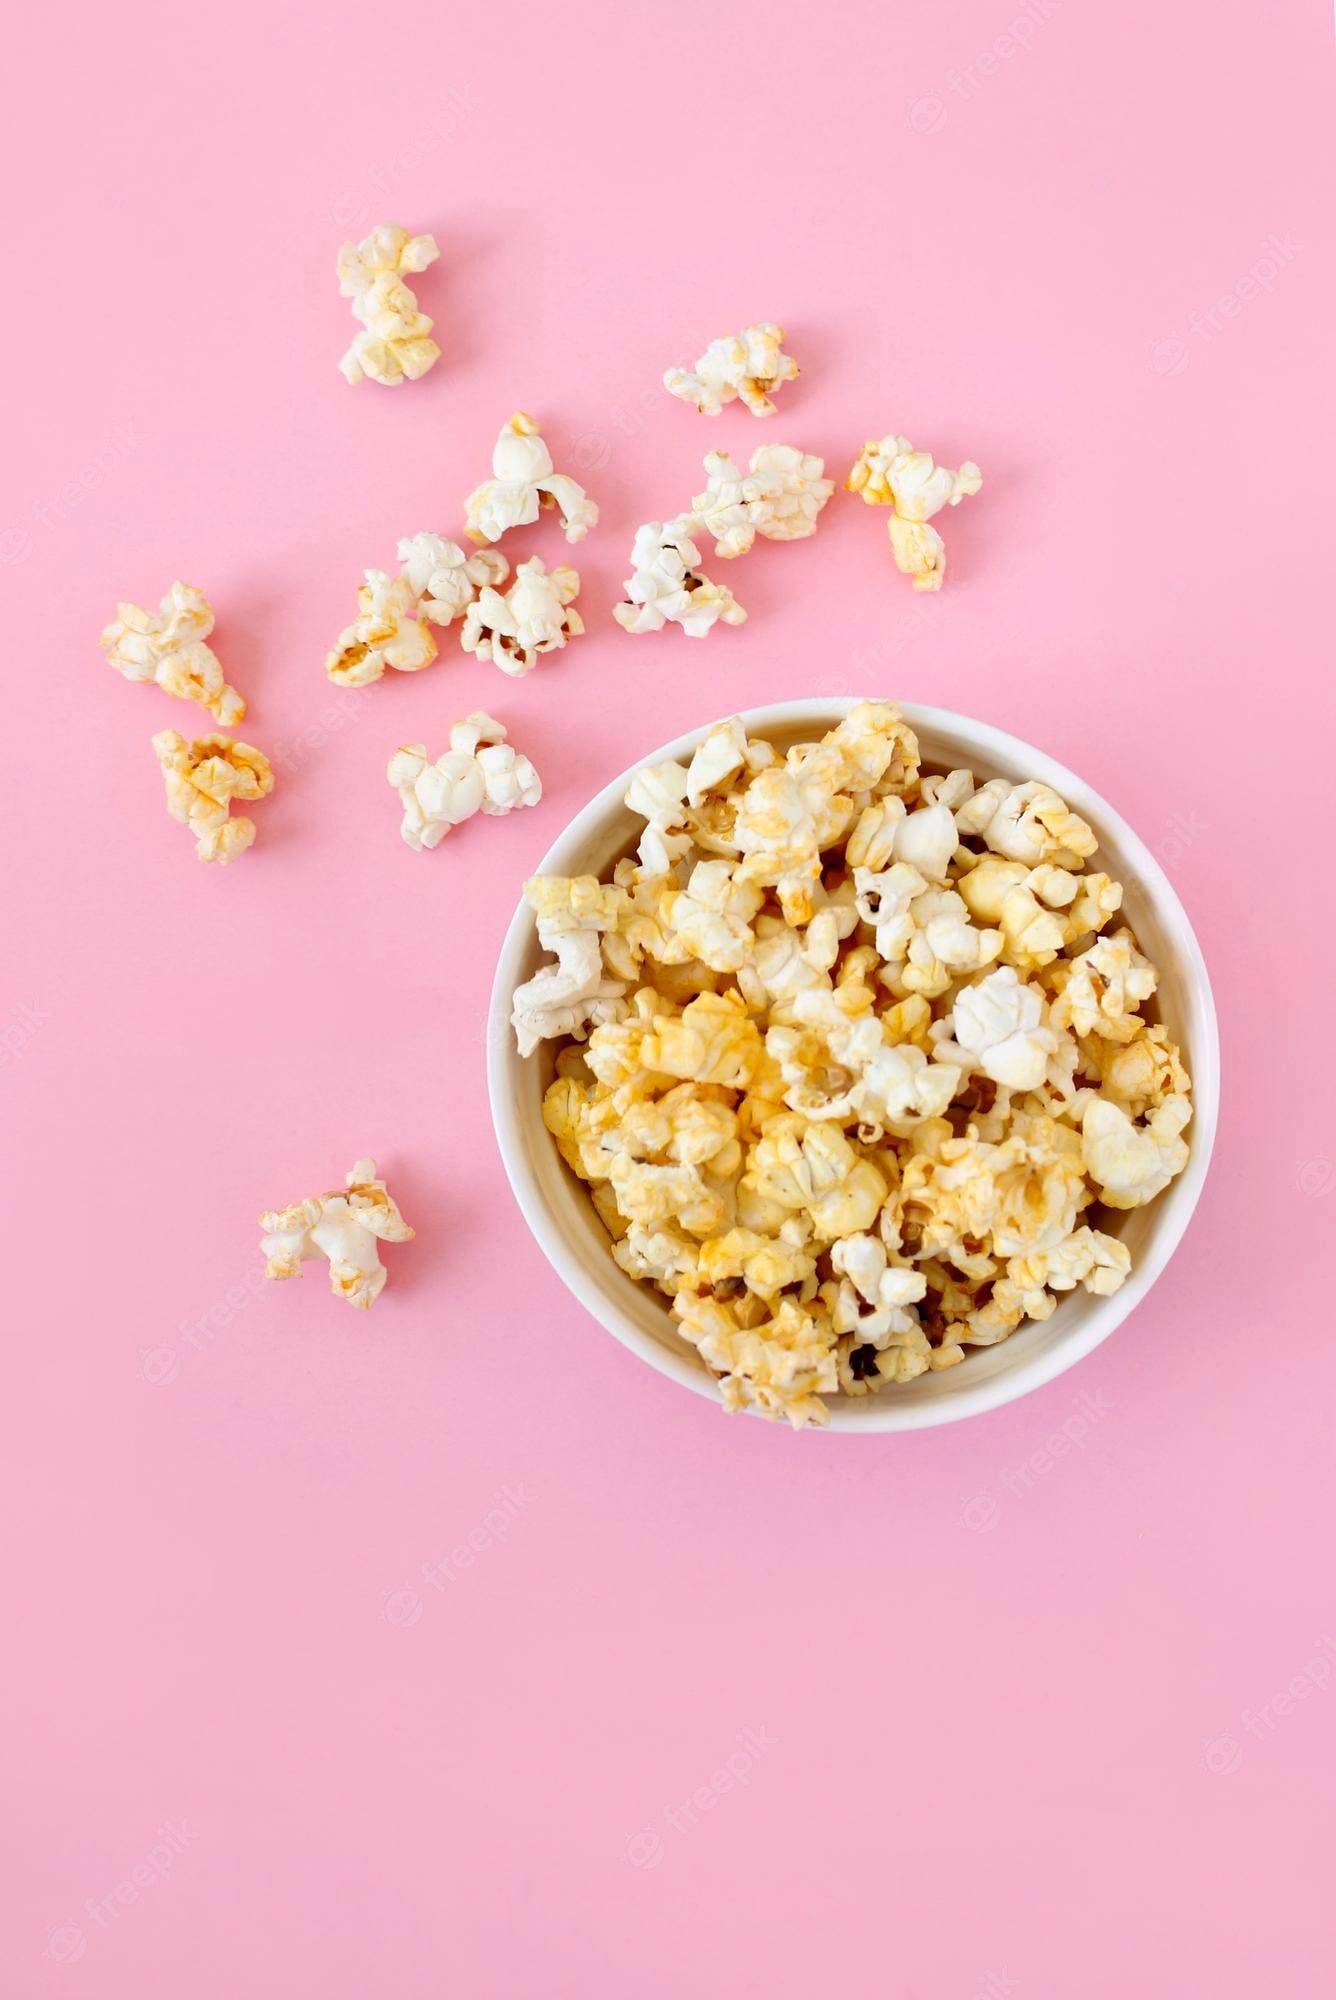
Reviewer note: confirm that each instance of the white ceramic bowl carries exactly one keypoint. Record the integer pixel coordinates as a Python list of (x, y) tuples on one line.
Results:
[(557, 1207)]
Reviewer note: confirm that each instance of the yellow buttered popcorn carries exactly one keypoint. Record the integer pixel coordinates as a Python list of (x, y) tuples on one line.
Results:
[(856, 1072), (202, 780)]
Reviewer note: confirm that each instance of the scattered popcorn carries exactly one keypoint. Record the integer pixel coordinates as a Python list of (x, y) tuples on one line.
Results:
[(846, 1062), (168, 646), (779, 498), (444, 579), (748, 364), (387, 632), (665, 586), (436, 584), (202, 779), (523, 481), (480, 772), (344, 1226), (535, 616), (890, 473), (394, 344)]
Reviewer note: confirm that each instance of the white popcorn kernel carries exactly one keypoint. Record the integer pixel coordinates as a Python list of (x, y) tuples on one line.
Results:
[(1104, 989), (436, 584), (534, 616), (387, 633), (748, 365), (523, 480), (950, 791), (168, 646), (844, 1067), (711, 918), (721, 755), (394, 344), (923, 934), (999, 1023), (444, 579), (666, 587), (890, 1290), (658, 793), (202, 779), (924, 840), (1130, 1164), (779, 497), (1027, 823), (890, 473), (345, 1226), (480, 772), (574, 915)]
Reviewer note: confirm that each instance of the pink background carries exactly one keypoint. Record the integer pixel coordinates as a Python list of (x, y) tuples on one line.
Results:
[(1049, 1722)]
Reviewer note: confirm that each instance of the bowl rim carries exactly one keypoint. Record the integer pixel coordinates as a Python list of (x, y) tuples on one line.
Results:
[(1174, 1207)]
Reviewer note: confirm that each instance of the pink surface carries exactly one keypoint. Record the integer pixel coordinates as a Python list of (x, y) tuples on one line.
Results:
[(451, 1651)]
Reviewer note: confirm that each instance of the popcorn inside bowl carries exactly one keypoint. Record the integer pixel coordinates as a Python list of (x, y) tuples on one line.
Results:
[(852, 1118)]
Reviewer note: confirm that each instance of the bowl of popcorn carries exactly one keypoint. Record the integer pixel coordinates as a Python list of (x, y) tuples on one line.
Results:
[(853, 1064)]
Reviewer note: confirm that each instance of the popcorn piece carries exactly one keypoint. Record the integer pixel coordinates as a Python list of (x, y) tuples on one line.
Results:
[(523, 481), (387, 632), (812, 1166), (535, 616), (394, 344), (437, 583), (1130, 1164), (344, 1227), (169, 647), (780, 1368), (202, 779), (480, 772), (444, 579), (711, 918), (748, 364), (924, 840), (924, 935), (1027, 823), (1138, 1075), (1104, 988), (779, 497), (565, 998), (665, 586), (999, 1023), (890, 473), (841, 1065)]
